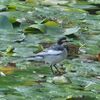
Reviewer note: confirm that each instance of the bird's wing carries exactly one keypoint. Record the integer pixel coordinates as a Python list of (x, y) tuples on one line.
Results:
[(41, 56), (35, 58), (49, 52)]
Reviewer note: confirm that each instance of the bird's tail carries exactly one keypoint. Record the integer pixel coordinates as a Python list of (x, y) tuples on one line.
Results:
[(30, 59), (34, 58)]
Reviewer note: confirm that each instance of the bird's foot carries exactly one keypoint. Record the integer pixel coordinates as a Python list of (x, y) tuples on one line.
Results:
[(59, 73)]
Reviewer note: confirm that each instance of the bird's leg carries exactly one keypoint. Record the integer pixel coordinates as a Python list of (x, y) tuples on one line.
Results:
[(56, 68), (62, 67), (60, 72), (52, 69)]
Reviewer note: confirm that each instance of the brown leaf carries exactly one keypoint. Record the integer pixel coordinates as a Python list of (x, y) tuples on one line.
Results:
[(98, 56), (7, 70), (11, 64), (91, 57), (72, 49)]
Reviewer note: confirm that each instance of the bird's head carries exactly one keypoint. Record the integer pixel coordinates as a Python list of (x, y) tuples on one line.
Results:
[(62, 41)]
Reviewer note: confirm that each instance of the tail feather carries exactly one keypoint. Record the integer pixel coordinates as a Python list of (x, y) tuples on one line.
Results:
[(35, 58)]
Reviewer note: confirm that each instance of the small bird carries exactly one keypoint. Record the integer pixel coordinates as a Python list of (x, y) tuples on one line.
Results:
[(53, 54)]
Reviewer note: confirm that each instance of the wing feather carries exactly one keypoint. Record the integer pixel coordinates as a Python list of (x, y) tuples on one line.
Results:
[(49, 52)]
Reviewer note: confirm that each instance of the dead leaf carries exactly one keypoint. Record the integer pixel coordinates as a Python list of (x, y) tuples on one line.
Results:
[(11, 64), (92, 57), (98, 56), (72, 49), (7, 70)]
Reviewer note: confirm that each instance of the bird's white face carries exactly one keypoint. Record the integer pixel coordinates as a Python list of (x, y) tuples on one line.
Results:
[(64, 43)]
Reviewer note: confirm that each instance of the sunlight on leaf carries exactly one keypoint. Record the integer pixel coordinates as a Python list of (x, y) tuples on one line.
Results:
[(7, 70), (51, 24), (9, 51)]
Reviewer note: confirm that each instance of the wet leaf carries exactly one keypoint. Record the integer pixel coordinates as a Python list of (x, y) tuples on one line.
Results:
[(71, 30), (5, 23), (81, 97), (9, 51), (36, 28), (95, 87), (11, 7), (51, 24)]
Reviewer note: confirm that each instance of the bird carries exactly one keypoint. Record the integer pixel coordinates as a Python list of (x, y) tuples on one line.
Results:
[(52, 55)]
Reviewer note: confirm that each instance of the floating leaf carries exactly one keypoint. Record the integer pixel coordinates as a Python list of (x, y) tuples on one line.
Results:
[(69, 31), (5, 23), (95, 87), (11, 7), (81, 97), (55, 2), (83, 6), (9, 51), (35, 28), (51, 24)]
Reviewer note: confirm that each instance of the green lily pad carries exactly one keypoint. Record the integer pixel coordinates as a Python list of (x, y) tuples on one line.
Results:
[(95, 87), (35, 28), (11, 7), (71, 30), (51, 24), (81, 97), (5, 23)]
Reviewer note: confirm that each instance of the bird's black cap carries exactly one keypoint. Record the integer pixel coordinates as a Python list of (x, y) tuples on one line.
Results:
[(61, 40)]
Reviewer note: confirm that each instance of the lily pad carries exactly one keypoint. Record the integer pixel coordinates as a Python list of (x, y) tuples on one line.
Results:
[(69, 31), (5, 23), (35, 28), (51, 24)]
